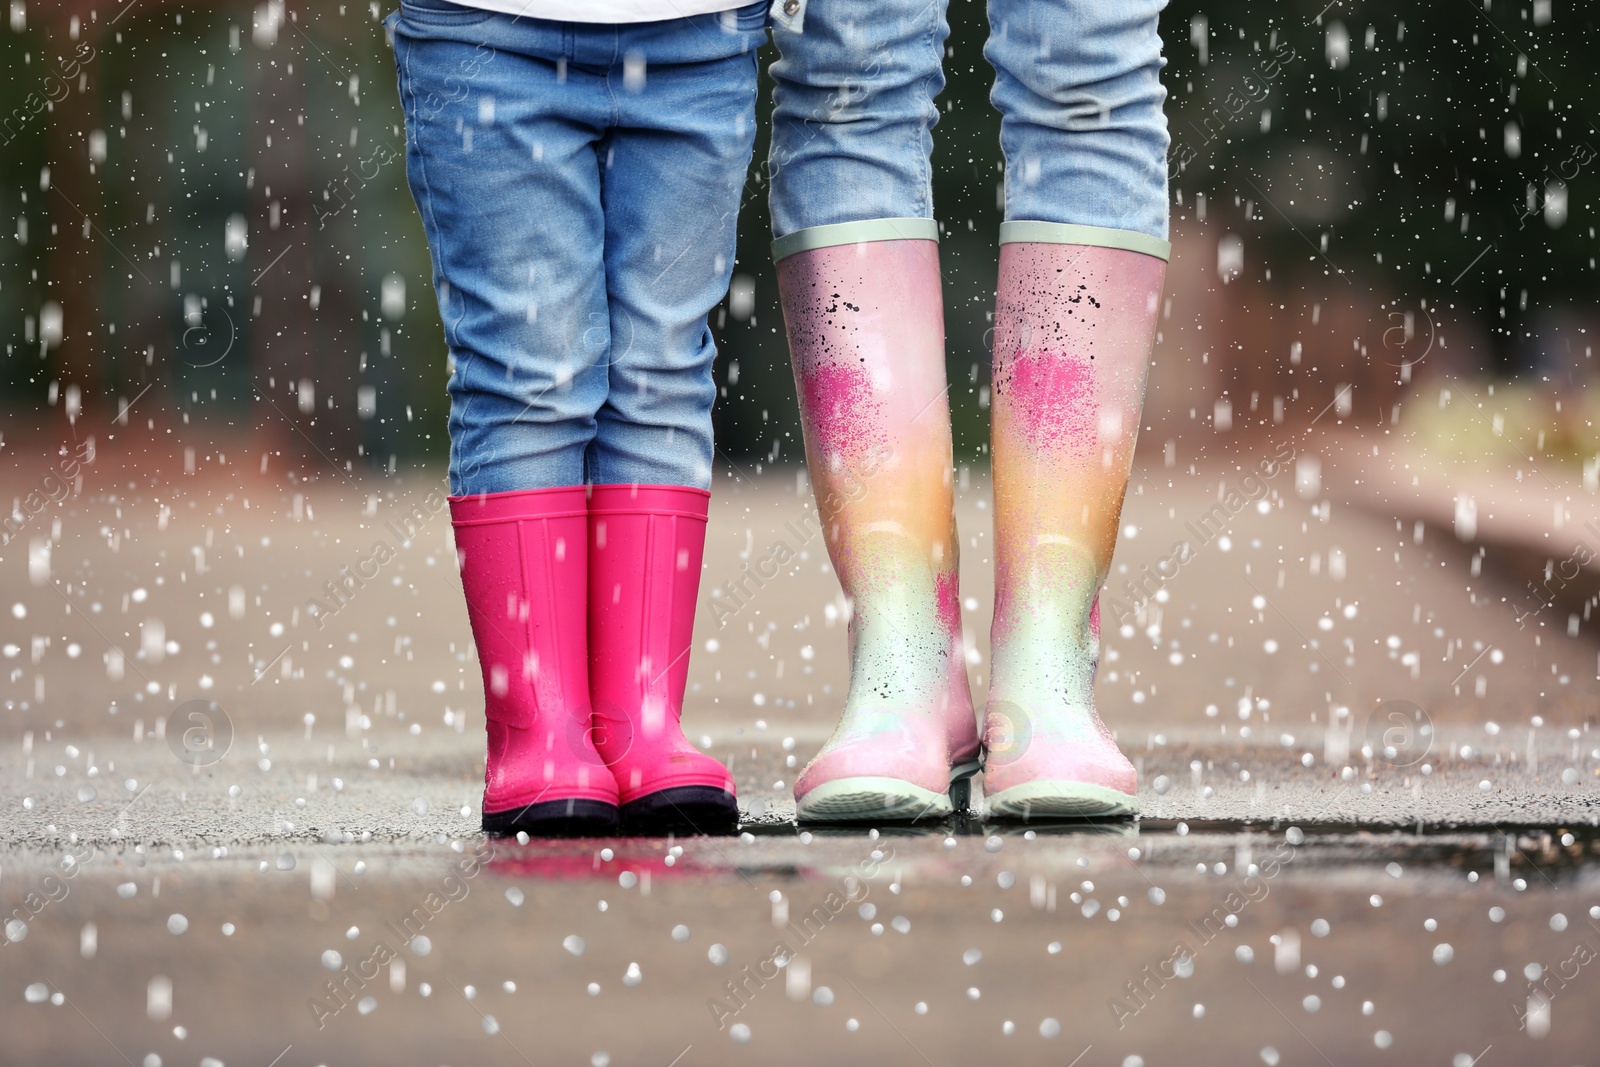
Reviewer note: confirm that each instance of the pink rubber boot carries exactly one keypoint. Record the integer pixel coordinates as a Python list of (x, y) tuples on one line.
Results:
[(524, 569), (645, 548), (1074, 322), (863, 308)]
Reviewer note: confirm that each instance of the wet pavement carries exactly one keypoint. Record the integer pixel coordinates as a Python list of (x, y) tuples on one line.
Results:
[(1368, 777)]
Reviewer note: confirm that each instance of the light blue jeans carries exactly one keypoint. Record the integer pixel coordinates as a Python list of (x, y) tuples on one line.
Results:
[(579, 185), (1077, 85)]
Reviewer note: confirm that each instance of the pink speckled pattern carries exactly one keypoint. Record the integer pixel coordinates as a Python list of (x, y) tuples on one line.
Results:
[(1074, 327), (947, 594), (847, 414), (866, 338), (1061, 417)]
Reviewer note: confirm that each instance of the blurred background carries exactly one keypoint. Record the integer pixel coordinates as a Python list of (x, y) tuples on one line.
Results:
[(208, 227)]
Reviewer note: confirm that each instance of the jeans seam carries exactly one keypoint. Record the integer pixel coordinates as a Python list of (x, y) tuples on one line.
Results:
[(931, 116), (1005, 151), (611, 93), (451, 329)]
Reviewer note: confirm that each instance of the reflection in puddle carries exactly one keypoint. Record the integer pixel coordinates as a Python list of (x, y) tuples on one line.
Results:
[(1531, 855)]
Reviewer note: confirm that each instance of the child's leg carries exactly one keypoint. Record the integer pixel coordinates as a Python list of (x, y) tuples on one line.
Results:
[(673, 171), (1082, 260), (502, 156), (502, 153), (858, 271), (673, 167)]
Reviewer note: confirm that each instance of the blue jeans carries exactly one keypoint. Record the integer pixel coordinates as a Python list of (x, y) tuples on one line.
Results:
[(1077, 85), (579, 185)]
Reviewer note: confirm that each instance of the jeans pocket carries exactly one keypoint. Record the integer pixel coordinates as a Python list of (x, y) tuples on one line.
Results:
[(442, 13)]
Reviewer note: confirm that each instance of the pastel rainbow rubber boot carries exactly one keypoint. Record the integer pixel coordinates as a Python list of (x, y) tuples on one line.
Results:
[(1074, 325), (645, 548), (524, 569), (865, 319)]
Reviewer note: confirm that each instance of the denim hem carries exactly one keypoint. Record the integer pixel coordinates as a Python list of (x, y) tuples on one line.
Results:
[(1059, 233), (851, 233)]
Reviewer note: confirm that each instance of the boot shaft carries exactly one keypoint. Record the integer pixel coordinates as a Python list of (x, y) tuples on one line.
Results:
[(866, 339), (524, 569), (1074, 325), (646, 545)]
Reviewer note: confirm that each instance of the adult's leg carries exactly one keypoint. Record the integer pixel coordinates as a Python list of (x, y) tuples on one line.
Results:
[(674, 165), (853, 114), (1078, 88), (858, 273), (1082, 259)]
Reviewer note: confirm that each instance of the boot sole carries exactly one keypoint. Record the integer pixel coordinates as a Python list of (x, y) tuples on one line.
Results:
[(554, 818), (869, 799), (1033, 801), (699, 809)]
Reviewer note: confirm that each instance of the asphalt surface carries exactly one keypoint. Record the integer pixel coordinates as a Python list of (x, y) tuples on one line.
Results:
[(1368, 777)]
